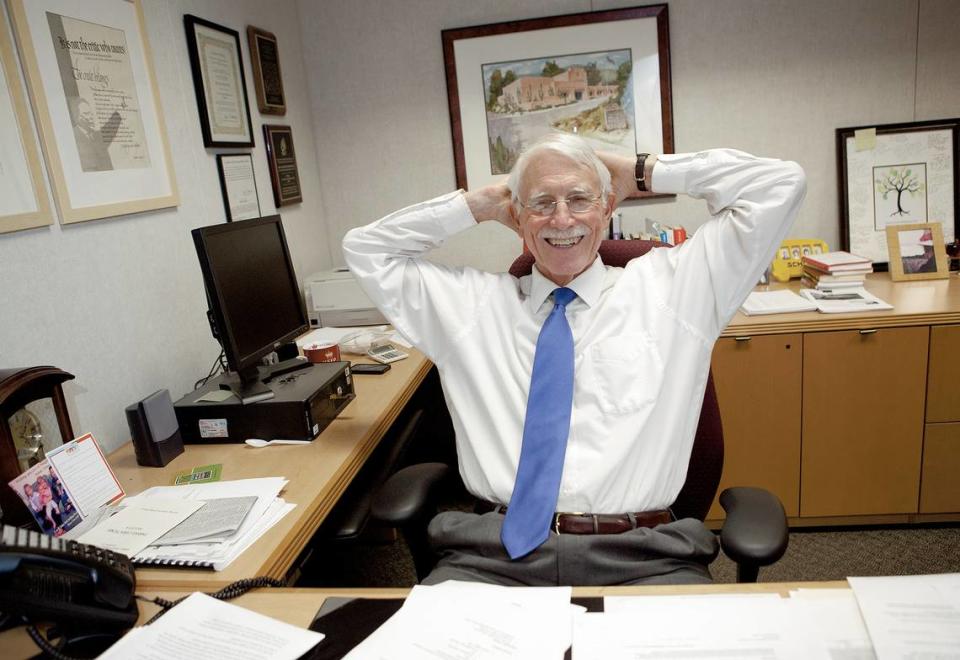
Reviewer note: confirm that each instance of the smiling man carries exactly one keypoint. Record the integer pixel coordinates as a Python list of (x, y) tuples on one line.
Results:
[(575, 391)]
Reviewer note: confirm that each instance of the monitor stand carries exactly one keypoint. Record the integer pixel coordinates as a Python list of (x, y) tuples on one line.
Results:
[(247, 385)]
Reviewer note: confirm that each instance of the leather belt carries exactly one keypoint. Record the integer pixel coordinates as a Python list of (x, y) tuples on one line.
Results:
[(593, 523)]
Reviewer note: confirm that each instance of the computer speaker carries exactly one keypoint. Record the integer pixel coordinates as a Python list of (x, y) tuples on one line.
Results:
[(153, 426)]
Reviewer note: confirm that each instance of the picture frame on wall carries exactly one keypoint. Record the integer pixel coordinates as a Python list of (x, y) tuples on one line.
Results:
[(219, 83), (896, 174), (917, 252), (89, 70), (23, 194), (603, 75), (239, 186), (282, 159), (267, 79)]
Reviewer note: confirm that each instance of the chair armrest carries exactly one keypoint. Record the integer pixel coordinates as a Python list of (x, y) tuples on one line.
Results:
[(755, 530), (406, 496)]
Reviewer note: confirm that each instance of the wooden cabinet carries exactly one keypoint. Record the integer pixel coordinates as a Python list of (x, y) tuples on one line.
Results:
[(939, 482), (758, 387), (863, 397)]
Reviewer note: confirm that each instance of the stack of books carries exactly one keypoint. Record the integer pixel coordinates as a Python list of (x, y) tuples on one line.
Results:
[(832, 271)]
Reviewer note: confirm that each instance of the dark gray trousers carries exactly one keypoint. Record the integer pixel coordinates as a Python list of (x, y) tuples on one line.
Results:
[(469, 548)]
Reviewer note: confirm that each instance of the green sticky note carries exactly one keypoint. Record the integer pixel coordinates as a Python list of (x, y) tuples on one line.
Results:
[(865, 139), (199, 475)]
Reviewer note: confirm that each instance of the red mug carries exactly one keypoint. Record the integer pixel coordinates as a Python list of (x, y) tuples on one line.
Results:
[(326, 352)]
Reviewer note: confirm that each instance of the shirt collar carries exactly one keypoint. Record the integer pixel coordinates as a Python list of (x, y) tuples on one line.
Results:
[(588, 286)]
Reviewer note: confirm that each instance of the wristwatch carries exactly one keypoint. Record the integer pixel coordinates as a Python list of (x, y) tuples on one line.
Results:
[(639, 173)]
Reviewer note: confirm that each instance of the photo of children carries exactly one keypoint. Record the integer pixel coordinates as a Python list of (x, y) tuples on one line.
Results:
[(42, 491)]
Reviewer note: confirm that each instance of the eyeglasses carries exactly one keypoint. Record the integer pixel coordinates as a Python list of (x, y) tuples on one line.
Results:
[(576, 204)]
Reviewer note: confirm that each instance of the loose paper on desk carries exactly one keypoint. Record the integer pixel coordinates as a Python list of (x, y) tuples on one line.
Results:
[(852, 300), (466, 620), (86, 473), (203, 628), (776, 302), (911, 616), (139, 524), (833, 619)]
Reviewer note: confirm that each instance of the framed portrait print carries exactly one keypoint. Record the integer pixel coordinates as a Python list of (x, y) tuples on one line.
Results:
[(282, 159), (917, 252), (239, 186), (267, 80), (896, 174), (603, 75), (219, 83), (90, 74), (23, 195)]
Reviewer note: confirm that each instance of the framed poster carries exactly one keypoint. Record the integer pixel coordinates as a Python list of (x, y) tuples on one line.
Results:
[(239, 187), (604, 75), (23, 195), (266, 71), (90, 75), (917, 252), (219, 83), (282, 158), (896, 174)]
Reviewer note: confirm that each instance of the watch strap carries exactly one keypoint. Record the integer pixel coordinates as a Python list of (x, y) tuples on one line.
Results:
[(640, 173)]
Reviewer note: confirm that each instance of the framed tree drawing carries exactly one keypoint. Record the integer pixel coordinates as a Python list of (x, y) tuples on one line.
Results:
[(896, 174), (267, 80), (23, 195), (90, 74), (603, 75), (219, 83)]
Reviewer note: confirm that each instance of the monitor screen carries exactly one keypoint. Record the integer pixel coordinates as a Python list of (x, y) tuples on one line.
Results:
[(252, 288)]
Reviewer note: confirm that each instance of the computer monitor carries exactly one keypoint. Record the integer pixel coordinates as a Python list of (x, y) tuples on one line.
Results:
[(255, 301)]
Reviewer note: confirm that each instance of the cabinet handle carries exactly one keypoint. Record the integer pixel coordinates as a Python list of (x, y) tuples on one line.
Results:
[(868, 332), (746, 338)]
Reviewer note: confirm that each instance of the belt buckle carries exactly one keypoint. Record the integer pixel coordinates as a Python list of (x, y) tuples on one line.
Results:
[(556, 518)]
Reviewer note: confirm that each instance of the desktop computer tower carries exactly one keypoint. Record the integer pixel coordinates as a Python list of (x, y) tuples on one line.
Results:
[(304, 402)]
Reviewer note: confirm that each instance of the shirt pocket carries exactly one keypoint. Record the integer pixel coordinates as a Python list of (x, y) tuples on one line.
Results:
[(626, 373)]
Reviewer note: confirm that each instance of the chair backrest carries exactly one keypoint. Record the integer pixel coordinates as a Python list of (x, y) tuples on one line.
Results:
[(706, 458)]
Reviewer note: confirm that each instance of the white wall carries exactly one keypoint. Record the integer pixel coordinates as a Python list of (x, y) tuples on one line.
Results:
[(119, 302), (773, 77)]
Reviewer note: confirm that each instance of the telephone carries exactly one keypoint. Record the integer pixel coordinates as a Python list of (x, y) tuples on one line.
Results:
[(788, 262), (81, 587)]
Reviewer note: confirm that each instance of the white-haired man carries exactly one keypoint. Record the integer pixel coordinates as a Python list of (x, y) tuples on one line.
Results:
[(577, 388)]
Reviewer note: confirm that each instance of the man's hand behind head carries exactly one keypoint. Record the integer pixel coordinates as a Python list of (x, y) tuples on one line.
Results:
[(493, 202)]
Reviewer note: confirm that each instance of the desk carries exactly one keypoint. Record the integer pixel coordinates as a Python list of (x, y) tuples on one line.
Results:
[(298, 606), (847, 418), (318, 474)]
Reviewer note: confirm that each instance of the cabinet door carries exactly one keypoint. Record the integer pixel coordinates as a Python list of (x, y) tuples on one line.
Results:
[(939, 486), (863, 405), (758, 389), (943, 395)]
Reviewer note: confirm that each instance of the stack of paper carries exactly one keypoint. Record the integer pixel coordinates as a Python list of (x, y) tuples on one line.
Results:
[(205, 541), (833, 271), (852, 300), (776, 302)]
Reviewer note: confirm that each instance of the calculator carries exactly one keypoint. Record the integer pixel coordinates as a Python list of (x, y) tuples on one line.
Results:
[(386, 353)]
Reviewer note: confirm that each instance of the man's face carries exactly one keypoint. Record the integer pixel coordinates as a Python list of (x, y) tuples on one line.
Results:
[(85, 115), (564, 244)]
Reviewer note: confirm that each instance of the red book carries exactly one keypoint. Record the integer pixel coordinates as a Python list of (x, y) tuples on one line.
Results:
[(832, 262)]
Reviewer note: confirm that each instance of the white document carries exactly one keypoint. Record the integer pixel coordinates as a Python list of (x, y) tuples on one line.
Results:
[(203, 628), (852, 300), (86, 474), (776, 302), (465, 620), (214, 521), (911, 616), (834, 621), (138, 525), (679, 628)]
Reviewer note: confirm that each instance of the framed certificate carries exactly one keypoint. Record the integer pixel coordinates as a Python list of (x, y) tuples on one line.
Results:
[(282, 158), (219, 83), (239, 187)]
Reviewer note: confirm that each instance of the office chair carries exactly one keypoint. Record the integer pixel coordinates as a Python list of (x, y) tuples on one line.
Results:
[(754, 533)]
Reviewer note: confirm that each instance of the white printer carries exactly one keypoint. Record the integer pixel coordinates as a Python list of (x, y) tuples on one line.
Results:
[(334, 298)]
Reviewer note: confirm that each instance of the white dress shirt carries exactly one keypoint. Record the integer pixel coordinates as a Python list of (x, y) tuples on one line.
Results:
[(643, 335)]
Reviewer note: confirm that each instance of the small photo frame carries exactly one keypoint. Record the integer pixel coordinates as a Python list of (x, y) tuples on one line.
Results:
[(239, 186), (917, 252), (219, 83), (282, 158), (265, 56)]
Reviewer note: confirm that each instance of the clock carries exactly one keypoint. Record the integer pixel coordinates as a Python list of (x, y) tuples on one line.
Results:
[(20, 429)]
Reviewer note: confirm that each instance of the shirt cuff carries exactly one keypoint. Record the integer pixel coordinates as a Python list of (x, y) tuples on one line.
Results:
[(670, 172), (453, 214)]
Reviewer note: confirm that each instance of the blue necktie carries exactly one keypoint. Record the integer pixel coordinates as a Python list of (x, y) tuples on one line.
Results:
[(545, 431)]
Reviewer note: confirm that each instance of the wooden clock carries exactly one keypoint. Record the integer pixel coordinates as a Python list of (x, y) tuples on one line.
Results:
[(20, 429)]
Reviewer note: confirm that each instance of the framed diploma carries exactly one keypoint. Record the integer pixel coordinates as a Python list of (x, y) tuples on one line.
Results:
[(239, 186), (23, 195), (90, 74), (219, 84), (266, 71), (282, 158)]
